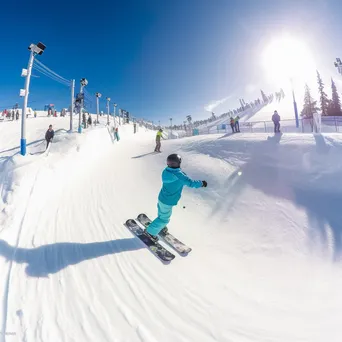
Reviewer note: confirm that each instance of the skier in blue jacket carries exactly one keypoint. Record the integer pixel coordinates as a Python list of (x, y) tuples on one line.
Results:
[(174, 180)]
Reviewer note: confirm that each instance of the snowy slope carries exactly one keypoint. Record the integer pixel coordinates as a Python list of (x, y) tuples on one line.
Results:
[(266, 239)]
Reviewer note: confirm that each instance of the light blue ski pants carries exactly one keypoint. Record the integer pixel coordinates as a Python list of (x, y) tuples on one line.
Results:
[(164, 215)]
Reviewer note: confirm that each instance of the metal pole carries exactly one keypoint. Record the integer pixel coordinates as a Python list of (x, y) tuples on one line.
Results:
[(115, 114), (72, 102), (23, 115), (80, 113), (97, 109), (294, 104), (107, 112)]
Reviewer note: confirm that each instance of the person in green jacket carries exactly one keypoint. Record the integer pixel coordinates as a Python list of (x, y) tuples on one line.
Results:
[(159, 136)]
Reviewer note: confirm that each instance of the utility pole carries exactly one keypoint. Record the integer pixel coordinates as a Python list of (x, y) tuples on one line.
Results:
[(108, 100), (84, 82), (115, 104), (35, 50), (72, 102), (98, 95)]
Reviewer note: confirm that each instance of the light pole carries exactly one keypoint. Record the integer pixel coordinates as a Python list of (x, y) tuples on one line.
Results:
[(83, 82), (98, 95), (108, 100), (171, 126), (115, 105), (35, 50), (72, 102), (295, 105), (338, 65)]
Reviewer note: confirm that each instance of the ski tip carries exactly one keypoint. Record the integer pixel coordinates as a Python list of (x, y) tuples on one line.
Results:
[(130, 221), (142, 215)]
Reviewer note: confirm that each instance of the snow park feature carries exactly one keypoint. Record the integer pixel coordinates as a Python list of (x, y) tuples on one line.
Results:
[(265, 235)]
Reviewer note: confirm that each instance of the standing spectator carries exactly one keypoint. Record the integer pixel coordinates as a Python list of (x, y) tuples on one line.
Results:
[(12, 114), (89, 120), (35, 113), (84, 120), (116, 134), (135, 127), (17, 115), (49, 135), (276, 121), (158, 137), (237, 126), (232, 124)]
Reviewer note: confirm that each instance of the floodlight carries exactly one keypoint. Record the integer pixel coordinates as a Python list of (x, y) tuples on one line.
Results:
[(37, 49)]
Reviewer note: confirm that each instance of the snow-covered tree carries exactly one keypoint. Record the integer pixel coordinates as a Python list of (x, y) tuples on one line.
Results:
[(310, 105), (324, 102), (334, 106), (264, 97)]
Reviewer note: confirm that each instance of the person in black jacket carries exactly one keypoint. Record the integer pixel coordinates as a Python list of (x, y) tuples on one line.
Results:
[(49, 135)]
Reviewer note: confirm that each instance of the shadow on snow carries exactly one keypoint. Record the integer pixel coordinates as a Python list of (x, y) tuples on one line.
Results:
[(52, 258), (300, 174)]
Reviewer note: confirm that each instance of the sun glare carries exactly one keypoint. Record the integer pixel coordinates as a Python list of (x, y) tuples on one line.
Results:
[(285, 58)]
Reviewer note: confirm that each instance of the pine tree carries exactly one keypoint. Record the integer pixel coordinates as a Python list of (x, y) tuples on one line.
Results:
[(310, 105), (324, 102), (264, 97), (334, 107)]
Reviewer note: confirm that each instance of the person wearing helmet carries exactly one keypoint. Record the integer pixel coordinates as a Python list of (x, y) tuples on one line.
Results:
[(173, 179), (158, 137)]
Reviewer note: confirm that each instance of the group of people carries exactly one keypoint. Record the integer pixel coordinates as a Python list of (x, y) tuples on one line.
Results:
[(11, 114), (234, 124)]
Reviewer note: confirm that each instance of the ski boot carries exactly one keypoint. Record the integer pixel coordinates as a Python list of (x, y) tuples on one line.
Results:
[(152, 237), (164, 231)]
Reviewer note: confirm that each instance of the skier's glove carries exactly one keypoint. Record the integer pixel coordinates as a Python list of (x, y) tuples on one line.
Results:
[(204, 184)]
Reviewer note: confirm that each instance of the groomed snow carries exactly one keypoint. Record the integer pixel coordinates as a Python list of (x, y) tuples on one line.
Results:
[(265, 234)]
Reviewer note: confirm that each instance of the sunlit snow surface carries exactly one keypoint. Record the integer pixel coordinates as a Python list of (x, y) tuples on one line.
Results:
[(265, 234)]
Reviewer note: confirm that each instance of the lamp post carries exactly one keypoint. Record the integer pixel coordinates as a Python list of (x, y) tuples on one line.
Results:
[(108, 100), (115, 105), (295, 105), (72, 102), (98, 95), (35, 50), (83, 83), (338, 65)]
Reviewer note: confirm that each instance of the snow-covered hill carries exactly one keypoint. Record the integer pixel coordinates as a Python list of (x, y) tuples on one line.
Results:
[(266, 239)]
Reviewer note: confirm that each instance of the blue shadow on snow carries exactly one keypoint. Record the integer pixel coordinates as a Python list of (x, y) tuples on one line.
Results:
[(50, 259)]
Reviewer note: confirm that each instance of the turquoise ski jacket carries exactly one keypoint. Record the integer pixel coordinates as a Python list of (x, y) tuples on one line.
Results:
[(173, 183)]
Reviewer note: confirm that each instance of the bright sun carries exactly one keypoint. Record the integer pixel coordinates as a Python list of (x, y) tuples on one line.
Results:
[(286, 58)]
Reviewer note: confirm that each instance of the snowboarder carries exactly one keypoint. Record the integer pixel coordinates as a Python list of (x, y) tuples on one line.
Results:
[(158, 137), (276, 121), (174, 180), (49, 135), (232, 124)]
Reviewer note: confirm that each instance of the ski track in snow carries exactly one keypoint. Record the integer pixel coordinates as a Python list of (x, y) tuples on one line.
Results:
[(266, 250)]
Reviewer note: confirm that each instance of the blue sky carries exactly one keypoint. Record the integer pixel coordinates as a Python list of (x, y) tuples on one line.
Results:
[(160, 59)]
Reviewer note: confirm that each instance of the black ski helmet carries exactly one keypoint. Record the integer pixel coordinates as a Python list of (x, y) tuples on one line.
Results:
[(174, 160)]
